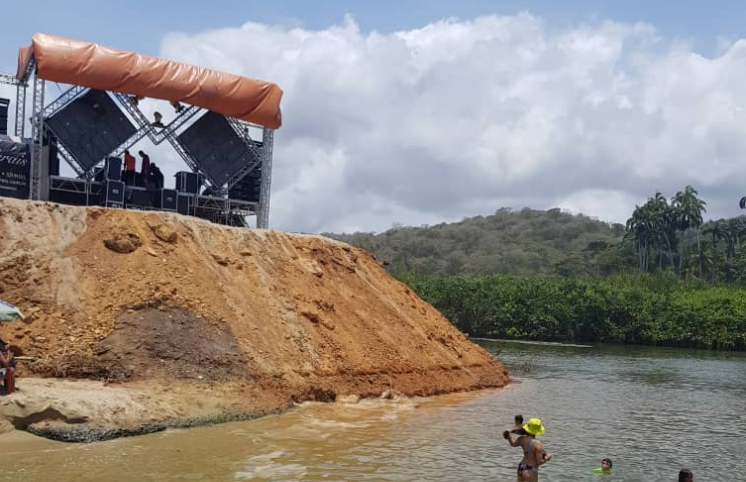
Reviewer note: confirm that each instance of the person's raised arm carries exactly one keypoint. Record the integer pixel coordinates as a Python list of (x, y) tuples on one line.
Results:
[(511, 441)]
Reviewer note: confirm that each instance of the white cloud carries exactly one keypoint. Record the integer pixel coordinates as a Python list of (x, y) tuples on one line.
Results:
[(462, 117)]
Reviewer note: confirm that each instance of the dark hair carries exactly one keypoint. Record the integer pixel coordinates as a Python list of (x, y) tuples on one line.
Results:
[(685, 475), (608, 461), (518, 419)]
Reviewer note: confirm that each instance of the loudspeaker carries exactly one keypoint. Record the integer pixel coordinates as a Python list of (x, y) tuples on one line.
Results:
[(67, 197), (113, 169), (91, 127), (166, 199), (182, 203), (139, 198), (212, 141), (248, 188), (114, 194), (187, 182)]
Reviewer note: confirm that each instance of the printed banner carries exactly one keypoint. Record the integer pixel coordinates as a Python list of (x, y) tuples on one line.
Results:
[(15, 163)]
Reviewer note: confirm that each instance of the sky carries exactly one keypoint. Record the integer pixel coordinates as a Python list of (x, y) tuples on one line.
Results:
[(417, 113)]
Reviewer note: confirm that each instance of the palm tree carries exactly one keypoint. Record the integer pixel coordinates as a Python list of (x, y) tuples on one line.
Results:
[(689, 210), (666, 223), (716, 229), (641, 228), (732, 230)]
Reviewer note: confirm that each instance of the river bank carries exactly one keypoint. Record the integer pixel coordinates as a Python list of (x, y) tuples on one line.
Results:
[(175, 312), (91, 411)]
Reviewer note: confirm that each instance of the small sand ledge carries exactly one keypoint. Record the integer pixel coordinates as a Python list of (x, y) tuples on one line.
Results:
[(88, 411)]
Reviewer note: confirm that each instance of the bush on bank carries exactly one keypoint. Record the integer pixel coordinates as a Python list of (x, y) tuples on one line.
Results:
[(637, 309)]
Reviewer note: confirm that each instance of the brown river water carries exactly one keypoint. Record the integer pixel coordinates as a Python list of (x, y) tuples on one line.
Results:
[(653, 411)]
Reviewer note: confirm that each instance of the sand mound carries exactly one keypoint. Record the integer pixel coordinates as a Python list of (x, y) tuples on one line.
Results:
[(124, 295)]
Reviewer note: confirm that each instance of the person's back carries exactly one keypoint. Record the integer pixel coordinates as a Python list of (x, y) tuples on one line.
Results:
[(531, 447), (129, 161), (145, 165), (157, 176)]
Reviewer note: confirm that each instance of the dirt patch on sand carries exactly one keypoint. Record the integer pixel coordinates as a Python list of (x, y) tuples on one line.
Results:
[(176, 344)]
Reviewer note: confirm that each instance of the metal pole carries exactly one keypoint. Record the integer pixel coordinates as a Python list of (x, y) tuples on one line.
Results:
[(268, 136), (20, 128), (37, 137)]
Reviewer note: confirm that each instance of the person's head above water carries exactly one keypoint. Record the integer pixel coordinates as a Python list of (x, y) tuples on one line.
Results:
[(686, 476), (534, 427), (518, 420), (606, 464)]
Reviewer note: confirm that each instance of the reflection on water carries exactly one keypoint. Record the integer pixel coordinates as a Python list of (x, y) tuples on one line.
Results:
[(652, 411)]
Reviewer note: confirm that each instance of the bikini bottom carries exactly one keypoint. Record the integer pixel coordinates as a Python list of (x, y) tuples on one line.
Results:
[(522, 467)]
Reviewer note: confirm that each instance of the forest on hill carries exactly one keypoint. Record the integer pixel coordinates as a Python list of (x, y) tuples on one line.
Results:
[(660, 236), (527, 241)]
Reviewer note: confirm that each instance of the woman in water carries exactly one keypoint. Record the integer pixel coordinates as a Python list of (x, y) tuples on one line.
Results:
[(533, 453)]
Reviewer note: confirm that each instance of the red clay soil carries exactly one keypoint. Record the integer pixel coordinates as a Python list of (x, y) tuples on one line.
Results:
[(132, 296)]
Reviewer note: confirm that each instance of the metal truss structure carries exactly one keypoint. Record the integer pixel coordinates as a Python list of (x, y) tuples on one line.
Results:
[(20, 121), (268, 141), (37, 137), (262, 151)]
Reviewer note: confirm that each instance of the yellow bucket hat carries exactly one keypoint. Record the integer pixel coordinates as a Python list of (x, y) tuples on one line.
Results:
[(534, 427)]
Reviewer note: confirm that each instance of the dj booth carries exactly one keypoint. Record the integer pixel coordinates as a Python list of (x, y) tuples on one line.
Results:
[(116, 194)]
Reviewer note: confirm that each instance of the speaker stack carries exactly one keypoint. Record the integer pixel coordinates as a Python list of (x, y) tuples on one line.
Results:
[(109, 188)]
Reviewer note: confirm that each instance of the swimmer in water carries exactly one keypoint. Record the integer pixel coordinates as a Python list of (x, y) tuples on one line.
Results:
[(605, 467), (686, 476)]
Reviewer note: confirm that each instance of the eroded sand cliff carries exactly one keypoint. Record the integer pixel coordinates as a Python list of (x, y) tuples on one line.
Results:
[(230, 321)]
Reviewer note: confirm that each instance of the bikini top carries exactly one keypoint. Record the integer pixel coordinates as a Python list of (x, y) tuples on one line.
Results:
[(530, 449)]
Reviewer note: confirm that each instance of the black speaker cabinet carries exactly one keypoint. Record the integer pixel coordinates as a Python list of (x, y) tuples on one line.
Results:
[(113, 169), (187, 182), (114, 194), (183, 202), (139, 198), (166, 199)]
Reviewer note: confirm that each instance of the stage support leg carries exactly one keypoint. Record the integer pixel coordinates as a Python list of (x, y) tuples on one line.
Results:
[(20, 128), (37, 138), (268, 140)]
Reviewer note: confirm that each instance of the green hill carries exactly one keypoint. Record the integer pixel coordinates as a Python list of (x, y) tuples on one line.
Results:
[(511, 242)]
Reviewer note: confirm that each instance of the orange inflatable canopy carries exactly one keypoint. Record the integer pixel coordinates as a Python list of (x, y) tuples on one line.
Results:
[(91, 65)]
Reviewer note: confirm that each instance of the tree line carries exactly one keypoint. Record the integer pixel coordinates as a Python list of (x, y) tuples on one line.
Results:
[(671, 236), (657, 309)]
